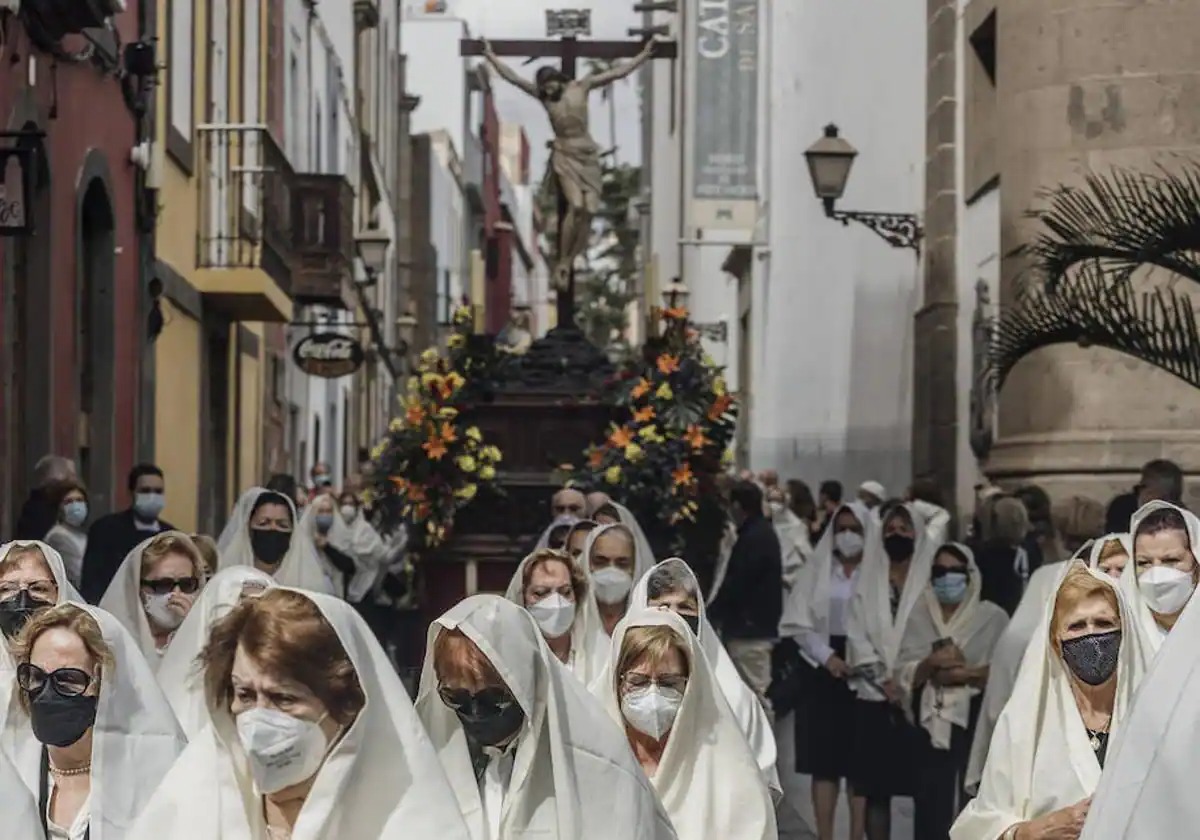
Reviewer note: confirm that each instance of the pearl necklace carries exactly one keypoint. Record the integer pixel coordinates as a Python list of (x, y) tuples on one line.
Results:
[(78, 771)]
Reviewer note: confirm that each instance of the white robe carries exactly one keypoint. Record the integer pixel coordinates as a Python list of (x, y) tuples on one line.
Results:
[(746, 707), (66, 593), (873, 636), (179, 673), (18, 805), (1147, 790), (794, 542), (1129, 585), (135, 739), (358, 541), (707, 779), (645, 553), (301, 567), (641, 560), (123, 599), (1040, 760), (380, 781), (975, 628), (573, 775), (589, 644)]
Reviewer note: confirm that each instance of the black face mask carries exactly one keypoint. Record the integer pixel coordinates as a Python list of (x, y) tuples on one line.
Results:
[(692, 621), (16, 612), (1093, 658), (491, 726), (270, 547), (61, 721), (898, 547)]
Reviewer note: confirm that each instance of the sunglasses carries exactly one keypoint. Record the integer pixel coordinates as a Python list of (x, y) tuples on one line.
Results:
[(165, 586), (941, 571), (42, 590), (489, 700), (66, 682)]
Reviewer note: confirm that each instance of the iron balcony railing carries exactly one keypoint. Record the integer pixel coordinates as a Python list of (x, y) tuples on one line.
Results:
[(245, 209)]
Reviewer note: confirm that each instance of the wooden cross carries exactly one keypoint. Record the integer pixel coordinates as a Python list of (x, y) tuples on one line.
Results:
[(568, 50)]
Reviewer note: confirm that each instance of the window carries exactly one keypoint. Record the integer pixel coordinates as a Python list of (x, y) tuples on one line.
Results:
[(252, 66), (180, 71)]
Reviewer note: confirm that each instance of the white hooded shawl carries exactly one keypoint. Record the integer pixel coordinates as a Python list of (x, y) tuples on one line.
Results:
[(1147, 790), (1153, 633), (18, 805), (559, 521), (707, 779), (975, 628), (301, 567), (645, 553), (746, 707), (123, 599), (589, 644), (642, 560), (66, 594), (359, 541), (179, 673), (1040, 759), (380, 781), (574, 776), (135, 738), (873, 636)]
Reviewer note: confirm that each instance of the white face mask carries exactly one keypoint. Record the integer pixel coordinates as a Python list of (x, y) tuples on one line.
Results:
[(554, 614), (849, 544), (612, 584), (776, 508), (283, 750), (1166, 589), (348, 513), (160, 613), (652, 710)]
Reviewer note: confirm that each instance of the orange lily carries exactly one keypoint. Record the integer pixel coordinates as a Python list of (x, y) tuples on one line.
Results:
[(448, 435), (435, 449), (682, 476), (720, 406), (621, 438), (641, 389), (668, 364), (596, 458), (644, 415), (695, 437), (415, 414)]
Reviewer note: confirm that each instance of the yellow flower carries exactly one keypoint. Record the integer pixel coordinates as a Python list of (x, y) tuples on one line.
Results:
[(467, 464), (649, 433), (613, 475), (708, 361), (474, 434), (487, 473), (455, 380), (379, 449), (664, 392), (492, 453), (429, 356), (456, 341), (633, 453), (467, 492), (727, 457), (396, 425), (448, 411), (719, 386), (428, 380)]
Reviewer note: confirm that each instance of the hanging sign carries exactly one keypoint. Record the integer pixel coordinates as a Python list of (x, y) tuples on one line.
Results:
[(328, 355)]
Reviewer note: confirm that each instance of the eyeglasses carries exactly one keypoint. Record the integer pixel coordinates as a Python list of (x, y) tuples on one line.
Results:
[(634, 680), (165, 586), (941, 571), (493, 700), (66, 682), (43, 590)]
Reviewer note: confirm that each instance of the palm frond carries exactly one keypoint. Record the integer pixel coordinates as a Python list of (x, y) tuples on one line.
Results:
[(1087, 308), (1120, 221)]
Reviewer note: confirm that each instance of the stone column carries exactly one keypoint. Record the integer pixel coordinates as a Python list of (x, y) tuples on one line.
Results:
[(1085, 85)]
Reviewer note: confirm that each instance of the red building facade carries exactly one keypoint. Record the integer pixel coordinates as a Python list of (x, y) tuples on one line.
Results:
[(76, 316)]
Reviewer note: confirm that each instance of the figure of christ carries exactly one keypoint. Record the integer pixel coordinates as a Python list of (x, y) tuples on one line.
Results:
[(574, 155)]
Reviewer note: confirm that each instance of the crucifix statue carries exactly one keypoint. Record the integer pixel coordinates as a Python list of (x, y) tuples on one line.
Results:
[(574, 167)]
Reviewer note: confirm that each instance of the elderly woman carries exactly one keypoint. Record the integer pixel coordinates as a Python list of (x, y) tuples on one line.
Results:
[(672, 585), (154, 590), (93, 736), (69, 535), (312, 735), (179, 673), (683, 733), (554, 589), (814, 614), (262, 533), (1110, 554), (529, 753), (614, 562), (555, 535), (577, 537), (1074, 688), (942, 670), (1161, 580)]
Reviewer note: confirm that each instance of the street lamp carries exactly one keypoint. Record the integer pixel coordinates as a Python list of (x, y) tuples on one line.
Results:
[(406, 327), (829, 162), (373, 246), (676, 295)]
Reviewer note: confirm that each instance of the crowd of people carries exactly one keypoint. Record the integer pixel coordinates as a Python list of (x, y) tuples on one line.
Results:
[(159, 684)]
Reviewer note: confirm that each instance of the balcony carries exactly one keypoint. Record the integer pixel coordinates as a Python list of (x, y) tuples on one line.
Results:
[(323, 240), (244, 244)]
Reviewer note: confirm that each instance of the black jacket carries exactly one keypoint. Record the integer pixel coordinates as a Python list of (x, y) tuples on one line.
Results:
[(109, 539), (749, 603), (38, 516)]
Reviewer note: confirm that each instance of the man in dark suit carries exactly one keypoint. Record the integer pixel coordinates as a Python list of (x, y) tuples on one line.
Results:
[(112, 537), (749, 601)]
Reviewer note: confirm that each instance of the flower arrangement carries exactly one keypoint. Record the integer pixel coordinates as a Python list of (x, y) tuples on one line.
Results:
[(662, 460), (430, 465)]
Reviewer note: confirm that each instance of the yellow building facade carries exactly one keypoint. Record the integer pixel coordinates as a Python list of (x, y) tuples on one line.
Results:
[(221, 253)]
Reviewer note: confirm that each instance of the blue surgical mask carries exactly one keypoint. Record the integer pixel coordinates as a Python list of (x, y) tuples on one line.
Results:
[(950, 588), (324, 522), (75, 513), (148, 506)]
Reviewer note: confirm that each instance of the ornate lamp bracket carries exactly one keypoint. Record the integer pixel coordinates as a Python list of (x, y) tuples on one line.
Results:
[(900, 230)]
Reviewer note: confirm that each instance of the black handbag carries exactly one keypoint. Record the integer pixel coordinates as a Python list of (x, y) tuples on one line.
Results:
[(789, 676)]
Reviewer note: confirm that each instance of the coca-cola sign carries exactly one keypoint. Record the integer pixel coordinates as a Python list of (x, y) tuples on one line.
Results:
[(328, 355)]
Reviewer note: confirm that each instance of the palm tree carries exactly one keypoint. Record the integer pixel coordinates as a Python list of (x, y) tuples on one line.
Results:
[(1093, 239)]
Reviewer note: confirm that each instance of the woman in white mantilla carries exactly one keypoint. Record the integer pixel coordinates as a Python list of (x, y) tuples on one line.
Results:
[(263, 533)]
